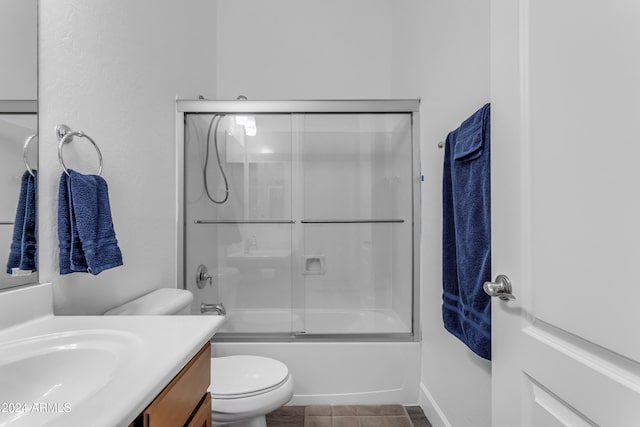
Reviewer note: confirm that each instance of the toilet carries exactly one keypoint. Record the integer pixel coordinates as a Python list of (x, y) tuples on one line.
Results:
[(243, 388)]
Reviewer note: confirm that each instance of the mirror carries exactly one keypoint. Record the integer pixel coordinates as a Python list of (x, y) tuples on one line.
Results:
[(18, 123)]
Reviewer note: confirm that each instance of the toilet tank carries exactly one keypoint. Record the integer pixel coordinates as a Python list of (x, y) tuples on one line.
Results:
[(160, 301)]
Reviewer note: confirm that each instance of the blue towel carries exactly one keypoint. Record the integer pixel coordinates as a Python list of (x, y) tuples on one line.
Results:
[(29, 249), (466, 233), (68, 239), (23, 253), (86, 235)]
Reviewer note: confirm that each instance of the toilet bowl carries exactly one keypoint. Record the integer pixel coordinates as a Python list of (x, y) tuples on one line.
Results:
[(243, 388)]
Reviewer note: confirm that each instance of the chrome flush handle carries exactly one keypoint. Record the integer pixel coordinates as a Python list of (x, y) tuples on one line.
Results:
[(501, 288)]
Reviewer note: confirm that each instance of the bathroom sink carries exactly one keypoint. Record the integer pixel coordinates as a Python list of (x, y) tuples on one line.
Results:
[(44, 376)]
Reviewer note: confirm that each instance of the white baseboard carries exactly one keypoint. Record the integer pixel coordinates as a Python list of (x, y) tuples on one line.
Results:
[(431, 408)]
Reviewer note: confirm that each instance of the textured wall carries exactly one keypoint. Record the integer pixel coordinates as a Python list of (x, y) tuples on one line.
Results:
[(113, 69), (441, 53), (291, 49), (18, 45)]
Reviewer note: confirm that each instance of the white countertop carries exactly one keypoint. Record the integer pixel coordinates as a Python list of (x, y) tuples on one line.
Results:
[(157, 348)]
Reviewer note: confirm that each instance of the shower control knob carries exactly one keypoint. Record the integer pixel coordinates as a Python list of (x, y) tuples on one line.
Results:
[(203, 276), (501, 288)]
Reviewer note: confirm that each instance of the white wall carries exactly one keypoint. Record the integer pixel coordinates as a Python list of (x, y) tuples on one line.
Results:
[(18, 45), (441, 53), (292, 49), (113, 69)]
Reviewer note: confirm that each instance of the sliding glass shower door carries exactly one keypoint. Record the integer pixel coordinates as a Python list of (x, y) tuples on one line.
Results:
[(356, 222), (244, 241), (304, 221)]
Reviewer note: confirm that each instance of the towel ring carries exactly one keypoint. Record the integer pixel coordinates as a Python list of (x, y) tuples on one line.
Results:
[(24, 153), (68, 136)]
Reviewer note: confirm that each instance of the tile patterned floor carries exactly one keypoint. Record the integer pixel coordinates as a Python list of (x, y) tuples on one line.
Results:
[(348, 416)]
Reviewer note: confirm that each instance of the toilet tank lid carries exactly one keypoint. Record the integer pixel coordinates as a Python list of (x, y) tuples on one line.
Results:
[(160, 301)]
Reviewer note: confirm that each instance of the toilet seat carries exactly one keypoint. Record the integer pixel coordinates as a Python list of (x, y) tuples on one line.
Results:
[(245, 388), (237, 377)]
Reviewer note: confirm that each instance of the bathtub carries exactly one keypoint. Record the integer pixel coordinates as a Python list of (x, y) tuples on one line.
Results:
[(314, 321), (334, 372)]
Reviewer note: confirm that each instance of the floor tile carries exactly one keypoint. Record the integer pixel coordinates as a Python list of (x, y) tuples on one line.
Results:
[(317, 410), (317, 421), (340, 421), (348, 416), (287, 416), (344, 411), (371, 421), (397, 421), (418, 418), (368, 410)]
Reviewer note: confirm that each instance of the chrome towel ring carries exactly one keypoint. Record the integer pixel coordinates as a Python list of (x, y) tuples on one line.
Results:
[(65, 135), (25, 148)]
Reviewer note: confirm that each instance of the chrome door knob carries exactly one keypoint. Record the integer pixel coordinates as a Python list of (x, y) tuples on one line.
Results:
[(501, 288)]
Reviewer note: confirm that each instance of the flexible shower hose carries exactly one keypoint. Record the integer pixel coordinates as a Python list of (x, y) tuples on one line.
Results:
[(206, 160)]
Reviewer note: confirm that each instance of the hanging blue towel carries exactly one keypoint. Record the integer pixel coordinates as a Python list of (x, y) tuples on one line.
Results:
[(466, 233), (68, 238), (23, 253), (87, 239), (29, 247)]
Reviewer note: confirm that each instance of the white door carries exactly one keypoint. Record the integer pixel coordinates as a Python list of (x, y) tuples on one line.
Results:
[(566, 212)]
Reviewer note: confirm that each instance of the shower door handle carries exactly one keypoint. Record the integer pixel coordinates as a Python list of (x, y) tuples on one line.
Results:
[(501, 288)]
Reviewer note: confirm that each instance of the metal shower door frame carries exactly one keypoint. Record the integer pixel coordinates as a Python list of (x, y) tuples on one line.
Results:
[(408, 106)]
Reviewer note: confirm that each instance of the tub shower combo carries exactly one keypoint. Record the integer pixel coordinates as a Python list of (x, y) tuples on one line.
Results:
[(299, 220)]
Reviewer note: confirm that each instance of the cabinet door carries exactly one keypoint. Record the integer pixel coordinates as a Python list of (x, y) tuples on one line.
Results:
[(202, 417), (178, 400)]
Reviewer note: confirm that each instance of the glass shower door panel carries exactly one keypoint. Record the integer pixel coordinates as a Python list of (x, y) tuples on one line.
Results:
[(256, 285), (357, 223), (256, 162), (362, 282), (245, 241), (357, 166)]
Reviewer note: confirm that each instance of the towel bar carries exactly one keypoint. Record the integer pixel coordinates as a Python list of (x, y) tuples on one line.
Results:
[(351, 221), (242, 221), (65, 135)]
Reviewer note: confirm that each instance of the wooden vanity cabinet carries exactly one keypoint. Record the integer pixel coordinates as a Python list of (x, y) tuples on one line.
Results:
[(185, 402)]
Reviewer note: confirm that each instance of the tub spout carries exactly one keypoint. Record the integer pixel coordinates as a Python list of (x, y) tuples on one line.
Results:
[(217, 308)]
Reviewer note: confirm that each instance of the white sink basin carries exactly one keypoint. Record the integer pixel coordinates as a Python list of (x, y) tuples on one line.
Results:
[(98, 371), (45, 376)]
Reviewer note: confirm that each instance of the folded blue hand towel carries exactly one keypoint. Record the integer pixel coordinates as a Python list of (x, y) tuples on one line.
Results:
[(466, 233), (86, 235), (23, 252)]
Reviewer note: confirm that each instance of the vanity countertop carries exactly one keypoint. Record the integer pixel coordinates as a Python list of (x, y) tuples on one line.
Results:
[(92, 370)]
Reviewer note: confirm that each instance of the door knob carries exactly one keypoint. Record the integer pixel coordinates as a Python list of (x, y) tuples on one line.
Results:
[(501, 288)]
